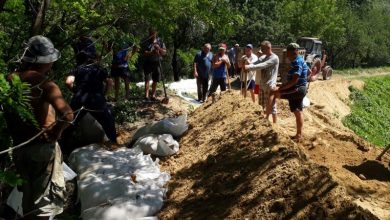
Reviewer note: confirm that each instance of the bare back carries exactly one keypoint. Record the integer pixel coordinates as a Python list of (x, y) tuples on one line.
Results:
[(46, 101)]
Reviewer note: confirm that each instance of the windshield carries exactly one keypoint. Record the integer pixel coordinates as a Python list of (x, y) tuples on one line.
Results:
[(307, 44)]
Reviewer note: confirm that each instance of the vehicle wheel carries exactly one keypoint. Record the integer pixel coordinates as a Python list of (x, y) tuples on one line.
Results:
[(327, 73)]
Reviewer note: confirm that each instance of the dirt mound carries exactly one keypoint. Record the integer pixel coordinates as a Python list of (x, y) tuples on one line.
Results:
[(234, 164)]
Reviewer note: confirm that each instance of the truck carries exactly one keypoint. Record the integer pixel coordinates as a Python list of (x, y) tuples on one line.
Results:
[(315, 56)]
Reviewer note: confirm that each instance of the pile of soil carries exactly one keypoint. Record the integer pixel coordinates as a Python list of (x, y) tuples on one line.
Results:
[(235, 164)]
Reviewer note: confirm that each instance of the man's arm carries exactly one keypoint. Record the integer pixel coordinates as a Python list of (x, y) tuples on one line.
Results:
[(195, 66), (161, 51), (70, 82), (290, 83), (218, 62), (55, 98), (262, 65)]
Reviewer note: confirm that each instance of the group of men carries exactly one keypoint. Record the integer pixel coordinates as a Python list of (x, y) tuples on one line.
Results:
[(39, 163), (265, 68)]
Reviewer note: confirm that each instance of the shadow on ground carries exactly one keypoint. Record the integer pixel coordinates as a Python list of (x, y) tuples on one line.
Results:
[(249, 171)]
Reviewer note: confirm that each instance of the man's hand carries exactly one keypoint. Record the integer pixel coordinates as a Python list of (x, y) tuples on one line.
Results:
[(52, 134), (275, 89), (69, 82), (225, 60), (246, 67)]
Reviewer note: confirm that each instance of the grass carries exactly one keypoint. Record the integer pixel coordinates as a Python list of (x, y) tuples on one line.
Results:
[(370, 111), (360, 72)]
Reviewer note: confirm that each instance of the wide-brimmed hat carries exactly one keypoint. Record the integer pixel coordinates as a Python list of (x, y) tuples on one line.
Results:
[(40, 50)]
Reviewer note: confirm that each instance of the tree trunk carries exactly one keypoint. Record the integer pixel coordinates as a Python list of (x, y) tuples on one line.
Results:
[(2, 3), (176, 74), (38, 23)]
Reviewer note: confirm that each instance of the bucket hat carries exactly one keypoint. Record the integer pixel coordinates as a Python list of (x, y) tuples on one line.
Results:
[(40, 50), (292, 46)]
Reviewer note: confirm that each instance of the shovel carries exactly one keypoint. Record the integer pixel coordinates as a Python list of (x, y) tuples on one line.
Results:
[(165, 99), (383, 152)]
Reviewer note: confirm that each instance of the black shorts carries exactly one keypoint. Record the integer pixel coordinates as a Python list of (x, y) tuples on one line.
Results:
[(152, 70), (120, 72), (295, 97)]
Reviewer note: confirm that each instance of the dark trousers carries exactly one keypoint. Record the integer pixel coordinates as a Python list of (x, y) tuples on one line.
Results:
[(217, 82), (102, 114), (202, 85)]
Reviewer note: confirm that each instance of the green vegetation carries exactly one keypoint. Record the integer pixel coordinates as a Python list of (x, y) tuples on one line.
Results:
[(361, 72), (14, 97), (125, 111), (370, 111)]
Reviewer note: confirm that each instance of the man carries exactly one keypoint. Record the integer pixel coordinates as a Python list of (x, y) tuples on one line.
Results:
[(39, 163), (202, 70), (233, 54), (89, 82), (220, 64), (120, 69), (268, 63), (294, 90), (153, 48), (84, 44), (249, 82)]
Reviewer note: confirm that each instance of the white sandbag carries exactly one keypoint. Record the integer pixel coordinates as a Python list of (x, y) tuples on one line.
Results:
[(15, 201), (69, 174), (174, 126), (124, 184), (124, 209), (306, 102), (158, 145)]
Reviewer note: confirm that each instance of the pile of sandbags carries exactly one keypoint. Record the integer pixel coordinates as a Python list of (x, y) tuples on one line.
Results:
[(124, 184), (158, 138)]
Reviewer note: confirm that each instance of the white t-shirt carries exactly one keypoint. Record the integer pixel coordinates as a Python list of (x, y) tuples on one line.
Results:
[(251, 74)]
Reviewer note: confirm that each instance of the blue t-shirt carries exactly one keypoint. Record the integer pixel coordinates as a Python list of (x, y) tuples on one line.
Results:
[(298, 66), (220, 72), (119, 59), (203, 62)]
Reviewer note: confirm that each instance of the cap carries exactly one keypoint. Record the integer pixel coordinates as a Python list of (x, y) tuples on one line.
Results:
[(222, 46), (236, 45), (40, 50), (249, 46), (292, 46)]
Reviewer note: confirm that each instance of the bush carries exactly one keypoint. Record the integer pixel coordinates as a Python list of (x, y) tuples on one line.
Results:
[(126, 111), (185, 62)]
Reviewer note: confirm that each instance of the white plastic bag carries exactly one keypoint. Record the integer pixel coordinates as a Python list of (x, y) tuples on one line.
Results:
[(69, 174), (15, 201), (118, 185), (306, 102), (174, 126), (158, 145)]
